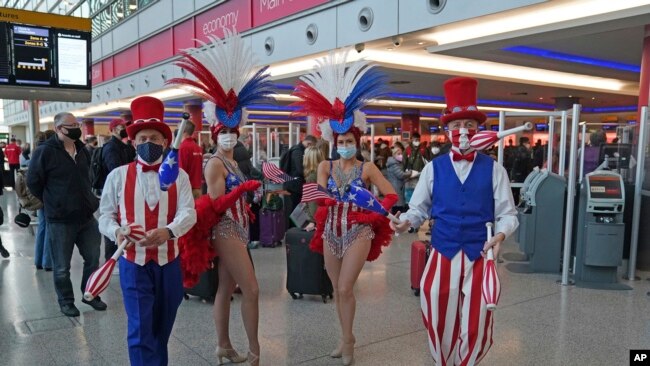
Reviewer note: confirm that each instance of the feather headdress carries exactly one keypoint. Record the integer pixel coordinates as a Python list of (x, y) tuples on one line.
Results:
[(226, 77), (334, 92)]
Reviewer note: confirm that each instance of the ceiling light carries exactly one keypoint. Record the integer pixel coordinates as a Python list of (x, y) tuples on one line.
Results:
[(421, 43), (550, 12)]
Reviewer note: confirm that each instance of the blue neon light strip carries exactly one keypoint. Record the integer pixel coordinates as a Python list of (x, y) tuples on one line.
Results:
[(438, 99), (540, 52), (627, 108)]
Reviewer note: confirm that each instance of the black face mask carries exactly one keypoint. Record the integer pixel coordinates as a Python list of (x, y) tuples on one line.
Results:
[(74, 133), (123, 134), (149, 152)]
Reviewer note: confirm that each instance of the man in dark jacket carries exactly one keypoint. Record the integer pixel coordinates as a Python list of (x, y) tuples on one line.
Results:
[(292, 165), (115, 153), (59, 177)]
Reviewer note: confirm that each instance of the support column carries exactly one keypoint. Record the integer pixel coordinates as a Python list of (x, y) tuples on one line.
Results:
[(644, 76), (312, 127), (34, 122), (87, 127), (196, 116), (411, 121)]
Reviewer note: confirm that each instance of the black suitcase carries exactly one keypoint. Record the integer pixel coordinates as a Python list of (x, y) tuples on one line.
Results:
[(306, 273), (206, 289)]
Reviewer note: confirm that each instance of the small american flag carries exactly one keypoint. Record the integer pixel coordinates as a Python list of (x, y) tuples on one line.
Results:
[(313, 191), (274, 173)]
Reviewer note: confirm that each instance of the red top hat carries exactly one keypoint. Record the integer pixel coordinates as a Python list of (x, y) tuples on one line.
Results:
[(116, 122), (461, 100), (148, 113)]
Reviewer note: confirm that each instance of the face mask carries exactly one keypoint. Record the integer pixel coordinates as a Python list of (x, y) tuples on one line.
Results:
[(460, 138), (383, 146), (416, 143), (435, 150), (227, 141), (74, 133), (399, 157), (347, 152), (123, 134), (149, 151)]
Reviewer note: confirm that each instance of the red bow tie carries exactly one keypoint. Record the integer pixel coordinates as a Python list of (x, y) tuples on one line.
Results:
[(149, 168), (458, 156)]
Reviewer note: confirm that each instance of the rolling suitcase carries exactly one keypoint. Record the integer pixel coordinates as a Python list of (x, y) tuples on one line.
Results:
[(206, 289), (419, 254), (272, 227), (306, 273)]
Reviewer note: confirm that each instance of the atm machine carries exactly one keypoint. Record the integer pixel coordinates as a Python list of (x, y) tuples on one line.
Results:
[(601, 231), (541, 219)]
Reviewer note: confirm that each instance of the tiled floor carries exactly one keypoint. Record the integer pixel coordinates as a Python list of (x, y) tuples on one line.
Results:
[(538, 321)]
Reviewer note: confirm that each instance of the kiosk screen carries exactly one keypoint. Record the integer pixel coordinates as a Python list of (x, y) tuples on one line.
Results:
[(605, 187)]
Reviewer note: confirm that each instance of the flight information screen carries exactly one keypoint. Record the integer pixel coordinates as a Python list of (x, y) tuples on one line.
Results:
[(72, 58), (32, 56), (5, 62)]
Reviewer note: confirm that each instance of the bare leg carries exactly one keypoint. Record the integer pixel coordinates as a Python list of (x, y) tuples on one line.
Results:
[(221, 308), (333, 267), (234, 258), (353, 262)]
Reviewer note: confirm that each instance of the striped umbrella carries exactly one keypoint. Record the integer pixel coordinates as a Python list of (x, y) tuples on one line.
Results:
[(99, 280), (491, 287), (169, 169), (484, 139)]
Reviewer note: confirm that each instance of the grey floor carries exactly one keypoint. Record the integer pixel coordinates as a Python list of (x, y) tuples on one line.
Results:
[(538, 321)]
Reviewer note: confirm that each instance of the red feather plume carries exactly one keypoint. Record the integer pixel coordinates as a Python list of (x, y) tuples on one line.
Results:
[(312, 103)]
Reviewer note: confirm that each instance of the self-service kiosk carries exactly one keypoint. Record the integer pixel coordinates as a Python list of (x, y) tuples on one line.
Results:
[(601, 231), (541, 218)]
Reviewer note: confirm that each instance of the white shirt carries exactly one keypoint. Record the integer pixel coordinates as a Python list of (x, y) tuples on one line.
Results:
[(149, 185), (505, 212)]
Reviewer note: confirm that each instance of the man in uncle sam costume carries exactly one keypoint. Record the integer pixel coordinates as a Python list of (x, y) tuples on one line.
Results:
[(150, 271), (461, 191)]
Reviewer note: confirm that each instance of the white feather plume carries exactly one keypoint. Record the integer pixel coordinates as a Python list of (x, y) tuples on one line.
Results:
[(228, 59), (210, 113)]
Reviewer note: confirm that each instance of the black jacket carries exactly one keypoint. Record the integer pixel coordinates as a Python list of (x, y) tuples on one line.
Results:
[(63, 184), (115, 153)]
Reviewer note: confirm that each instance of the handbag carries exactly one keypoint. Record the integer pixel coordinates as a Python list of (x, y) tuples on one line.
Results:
[(22, 219)]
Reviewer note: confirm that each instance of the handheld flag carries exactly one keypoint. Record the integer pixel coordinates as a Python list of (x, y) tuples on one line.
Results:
[(275, 174), (363, 198), (313, 192)]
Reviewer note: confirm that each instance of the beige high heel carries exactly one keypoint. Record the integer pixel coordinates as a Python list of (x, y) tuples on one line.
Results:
[(229, 354), (347, 354), (253, 359), (337, 352)]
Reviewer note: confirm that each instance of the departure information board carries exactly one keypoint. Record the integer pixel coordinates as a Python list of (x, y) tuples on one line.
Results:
[(46, 56)]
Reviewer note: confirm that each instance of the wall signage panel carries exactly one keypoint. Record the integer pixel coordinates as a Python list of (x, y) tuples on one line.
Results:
[(266, 11), (234, 14)]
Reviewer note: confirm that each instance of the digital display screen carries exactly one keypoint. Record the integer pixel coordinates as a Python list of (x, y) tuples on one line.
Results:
[(390, 130), (609, 127), (481, 128), (32, 55), (541, 127), (494, 127), (72, 59), (605, 187), (44, 63), (434, 129)]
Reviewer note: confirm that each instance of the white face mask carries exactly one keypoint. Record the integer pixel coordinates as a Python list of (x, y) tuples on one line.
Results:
[(383, 146), (416, 143), (227, 141), (435, 150)]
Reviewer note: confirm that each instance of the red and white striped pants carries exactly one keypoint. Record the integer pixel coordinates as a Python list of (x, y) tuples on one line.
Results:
[(459, 327)]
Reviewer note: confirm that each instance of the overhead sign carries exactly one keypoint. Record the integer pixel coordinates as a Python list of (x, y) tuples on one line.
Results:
[(234, 14), (266, 11), (46, 56)]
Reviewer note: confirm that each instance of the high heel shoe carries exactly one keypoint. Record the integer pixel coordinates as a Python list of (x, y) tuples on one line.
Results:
[(337, 352), (347, 354), (253, 359), (229, 354)]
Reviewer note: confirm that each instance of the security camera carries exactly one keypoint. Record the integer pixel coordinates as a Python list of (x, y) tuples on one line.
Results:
[(360, 47), (397, 41)]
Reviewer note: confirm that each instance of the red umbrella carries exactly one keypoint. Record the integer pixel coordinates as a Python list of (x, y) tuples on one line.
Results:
[(491, 287), (484, 139), (99, 280)]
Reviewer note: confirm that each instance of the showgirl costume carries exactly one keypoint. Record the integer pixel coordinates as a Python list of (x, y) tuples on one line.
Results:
[(226, 77), (334, 95)]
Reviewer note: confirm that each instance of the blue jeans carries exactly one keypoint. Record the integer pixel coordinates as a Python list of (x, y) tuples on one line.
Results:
[(152, 295), (63, 238), (42, 247)]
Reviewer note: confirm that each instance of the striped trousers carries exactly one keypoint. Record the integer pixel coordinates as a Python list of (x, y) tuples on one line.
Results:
[(459, 327)]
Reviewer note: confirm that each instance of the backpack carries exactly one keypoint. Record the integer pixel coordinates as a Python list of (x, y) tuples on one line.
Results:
[(97, 171), (26, 199)]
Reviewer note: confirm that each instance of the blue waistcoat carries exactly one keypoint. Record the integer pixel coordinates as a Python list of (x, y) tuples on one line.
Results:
[(461, 210)]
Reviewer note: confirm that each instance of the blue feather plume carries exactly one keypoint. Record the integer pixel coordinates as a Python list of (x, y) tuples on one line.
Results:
[(256, 89), (371, 85)]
